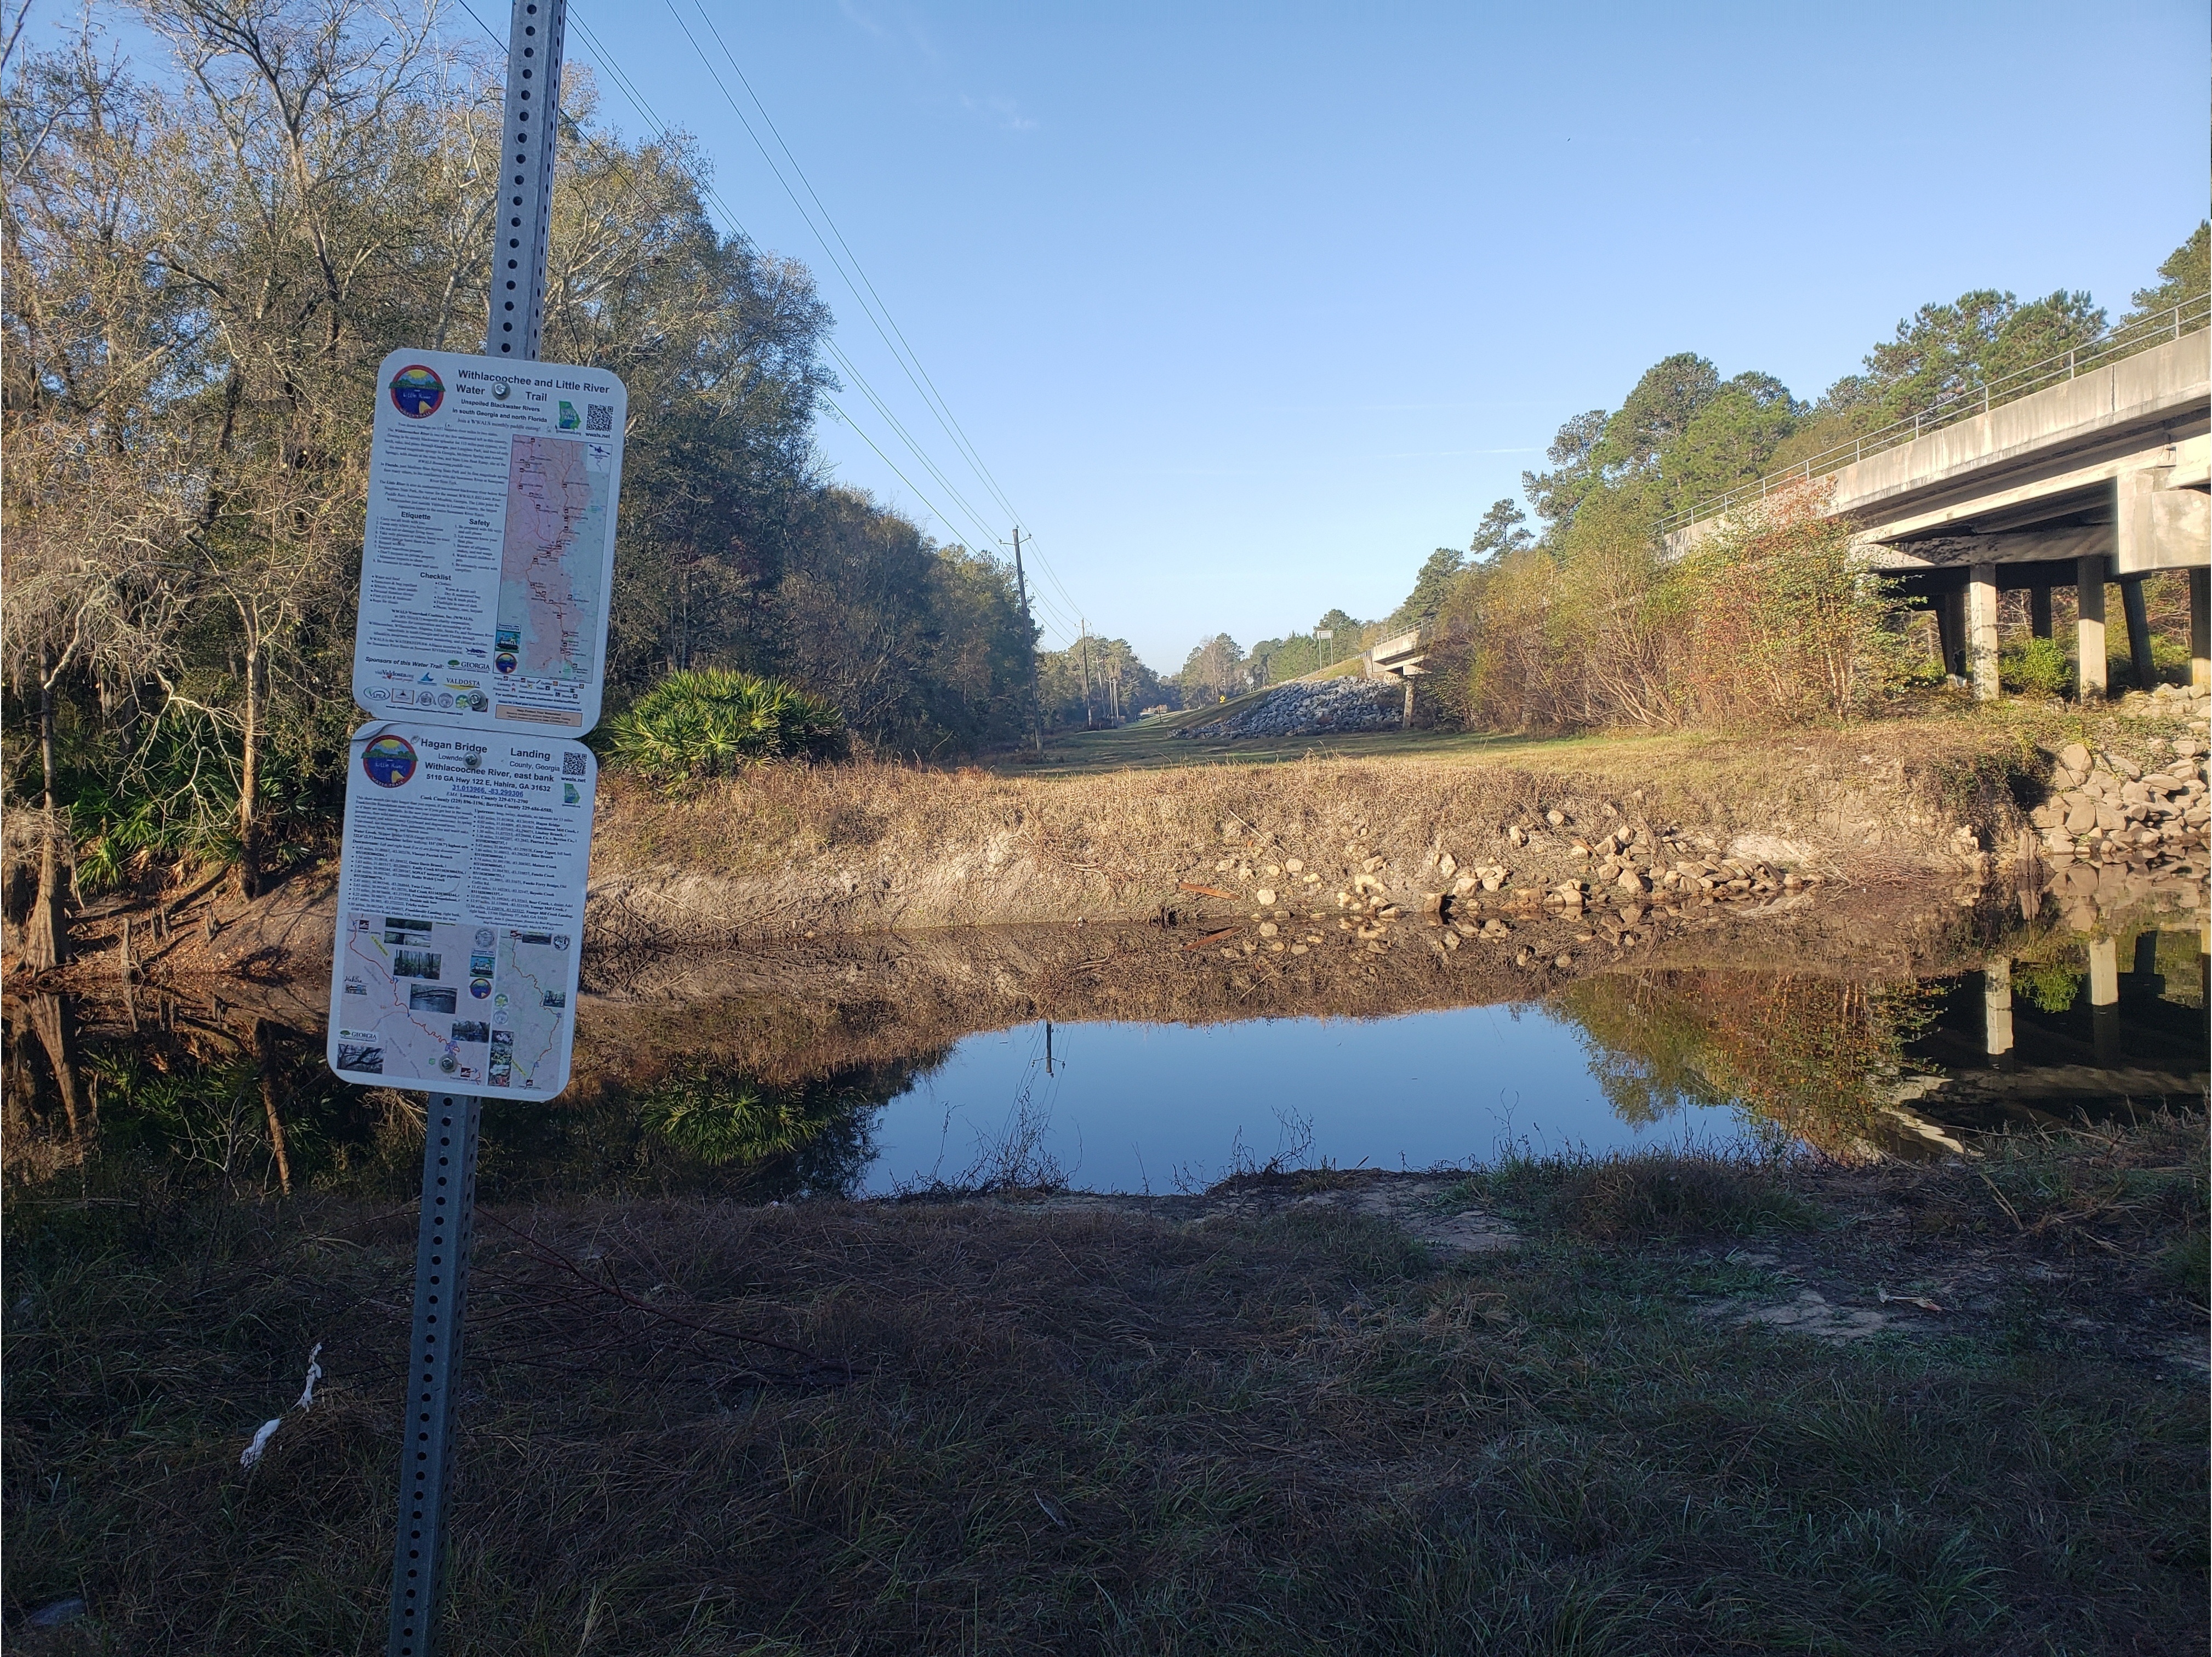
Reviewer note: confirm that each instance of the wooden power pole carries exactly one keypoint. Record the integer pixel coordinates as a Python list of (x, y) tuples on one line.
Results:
[(1083, 630), (1028, 645)]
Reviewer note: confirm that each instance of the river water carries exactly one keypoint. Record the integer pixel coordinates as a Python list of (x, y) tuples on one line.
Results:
[(767, 1089)]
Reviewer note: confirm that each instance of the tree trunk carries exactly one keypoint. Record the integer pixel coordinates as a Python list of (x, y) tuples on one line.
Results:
[(264, 1057), (249, 783), (50, 1023), (45, 939)]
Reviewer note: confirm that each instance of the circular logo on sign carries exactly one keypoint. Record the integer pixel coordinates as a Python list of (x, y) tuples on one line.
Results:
[(504, 661), (389, 761), (480, 988), (417, 392)]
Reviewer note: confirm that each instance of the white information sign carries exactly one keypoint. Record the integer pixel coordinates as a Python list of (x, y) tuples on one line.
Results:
[(489, 546), (461, 909)]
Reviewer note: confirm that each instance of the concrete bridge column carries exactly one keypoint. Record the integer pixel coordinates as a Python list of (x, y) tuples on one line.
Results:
[(1982, 630), (2200, 628), (2138, 620), (2038, 611), (2105, 999), (2089, 629), (1996, 1005), (1951, 630)]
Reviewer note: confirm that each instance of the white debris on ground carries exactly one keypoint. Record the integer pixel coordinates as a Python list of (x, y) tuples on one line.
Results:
[(1303, 708)]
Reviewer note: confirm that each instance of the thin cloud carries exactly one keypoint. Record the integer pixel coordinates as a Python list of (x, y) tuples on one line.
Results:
[(1002, 112)]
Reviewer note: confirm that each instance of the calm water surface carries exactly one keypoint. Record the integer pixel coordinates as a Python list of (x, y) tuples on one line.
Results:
[(1122, 1107), (2054, 1028)]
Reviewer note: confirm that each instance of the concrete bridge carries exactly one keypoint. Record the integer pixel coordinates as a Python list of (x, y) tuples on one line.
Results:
[(2094, 473)]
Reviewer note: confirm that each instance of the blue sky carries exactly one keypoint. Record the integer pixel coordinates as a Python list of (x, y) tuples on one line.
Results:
[(1248, 307)]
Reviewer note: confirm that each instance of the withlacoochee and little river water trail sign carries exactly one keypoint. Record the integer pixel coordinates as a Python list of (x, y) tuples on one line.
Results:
[(479, 657), (487, 556)]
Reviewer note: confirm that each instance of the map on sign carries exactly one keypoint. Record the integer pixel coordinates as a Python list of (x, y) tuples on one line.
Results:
[(488, 549), (557, 492), (484, 1006), (460, 910)]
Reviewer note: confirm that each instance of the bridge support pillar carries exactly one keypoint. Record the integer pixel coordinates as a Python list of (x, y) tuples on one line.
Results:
[(1982, 630), (2200, 628), (2105, 999), (2089, 629), (2038, 611), (2138, 618), (1951, 630), (1996, 1005)]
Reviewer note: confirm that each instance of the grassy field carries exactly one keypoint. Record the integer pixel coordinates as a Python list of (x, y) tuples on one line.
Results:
[(1287, 1430)]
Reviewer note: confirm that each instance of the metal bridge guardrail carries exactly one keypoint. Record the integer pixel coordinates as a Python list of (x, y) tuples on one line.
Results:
[(1963, 404)]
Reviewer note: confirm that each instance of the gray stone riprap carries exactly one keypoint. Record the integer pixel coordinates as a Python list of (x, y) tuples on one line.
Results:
[(2108, 808), (1299, 709)]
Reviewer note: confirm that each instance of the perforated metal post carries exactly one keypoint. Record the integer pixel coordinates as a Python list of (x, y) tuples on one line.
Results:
[(513, 331), (433, 1365), (534, 39)]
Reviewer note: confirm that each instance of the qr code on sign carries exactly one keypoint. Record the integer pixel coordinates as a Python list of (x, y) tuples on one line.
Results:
[(572, 765), (599, 417)]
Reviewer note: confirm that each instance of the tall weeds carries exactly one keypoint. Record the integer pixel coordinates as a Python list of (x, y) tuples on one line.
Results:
[(1772, 622)]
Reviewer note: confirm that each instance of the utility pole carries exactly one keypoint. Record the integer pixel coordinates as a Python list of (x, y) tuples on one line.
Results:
[(1083, 628), (1028, 646)]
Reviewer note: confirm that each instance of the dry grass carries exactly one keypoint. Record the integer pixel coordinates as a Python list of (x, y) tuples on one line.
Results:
[(872, 846), (1070, 1433)]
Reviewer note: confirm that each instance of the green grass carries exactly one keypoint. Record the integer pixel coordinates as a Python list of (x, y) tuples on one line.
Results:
[(1086, 1433), (1633, 1199)]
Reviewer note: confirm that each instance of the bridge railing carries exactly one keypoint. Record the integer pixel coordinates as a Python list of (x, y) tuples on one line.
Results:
[(1963, 404)]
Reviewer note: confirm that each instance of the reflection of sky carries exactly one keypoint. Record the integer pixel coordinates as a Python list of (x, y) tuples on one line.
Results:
[(1130, 1107)]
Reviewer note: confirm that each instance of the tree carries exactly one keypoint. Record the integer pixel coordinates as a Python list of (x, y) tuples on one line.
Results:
[(1211, 669), (1659, 410), (1731, 440), (1436, 573), (2186, 273), (1503, 530), (1946, 351), (1576, 470)]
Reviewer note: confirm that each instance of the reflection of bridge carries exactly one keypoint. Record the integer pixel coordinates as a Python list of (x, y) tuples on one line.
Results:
[(2089, 476)]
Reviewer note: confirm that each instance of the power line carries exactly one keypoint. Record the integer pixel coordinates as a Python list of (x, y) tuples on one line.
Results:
[(979, 533), (857, 281), (939, 407)]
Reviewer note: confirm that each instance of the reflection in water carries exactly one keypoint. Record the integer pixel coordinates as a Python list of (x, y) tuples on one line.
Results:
[(2054, 1026)]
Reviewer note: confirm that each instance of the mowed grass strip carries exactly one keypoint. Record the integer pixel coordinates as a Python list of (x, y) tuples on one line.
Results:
[(1026, 1430)]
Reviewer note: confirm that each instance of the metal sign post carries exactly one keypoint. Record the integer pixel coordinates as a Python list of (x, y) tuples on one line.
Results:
[(534, 40)]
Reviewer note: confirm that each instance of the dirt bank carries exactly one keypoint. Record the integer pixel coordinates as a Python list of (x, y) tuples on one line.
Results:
[(1596, 850)]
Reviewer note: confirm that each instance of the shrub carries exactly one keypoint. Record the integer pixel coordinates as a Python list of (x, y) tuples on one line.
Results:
[(2035, 667), (707, 722), (1634, 1197)]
